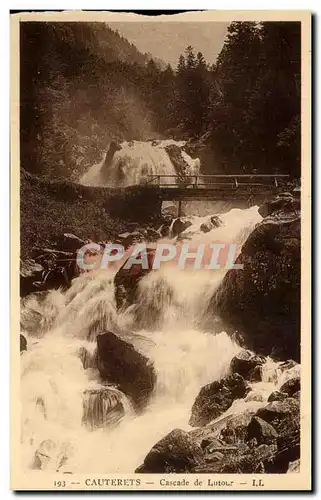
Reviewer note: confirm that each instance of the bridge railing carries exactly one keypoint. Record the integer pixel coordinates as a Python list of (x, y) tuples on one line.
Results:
[(217, 180)]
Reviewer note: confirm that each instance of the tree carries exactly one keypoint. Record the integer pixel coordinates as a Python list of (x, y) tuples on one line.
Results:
[(255, 114)]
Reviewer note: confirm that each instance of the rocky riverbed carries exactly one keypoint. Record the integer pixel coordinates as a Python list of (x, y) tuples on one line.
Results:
[(244, 418)]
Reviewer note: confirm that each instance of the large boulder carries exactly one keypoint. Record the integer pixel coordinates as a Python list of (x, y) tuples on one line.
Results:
[(262, 431), (177, 452), (283, 203), (277, 396), (215, 398), (179, 226), (246, 363), (291, 386), (284, 416), (248, 463), (119, 363), (263, 440), (262, 300), (280, 414)]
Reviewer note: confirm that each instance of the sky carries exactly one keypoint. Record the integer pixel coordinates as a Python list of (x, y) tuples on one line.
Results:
[(168, 40)]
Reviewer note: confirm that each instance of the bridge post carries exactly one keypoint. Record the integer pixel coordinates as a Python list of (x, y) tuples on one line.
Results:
[(179, 212)]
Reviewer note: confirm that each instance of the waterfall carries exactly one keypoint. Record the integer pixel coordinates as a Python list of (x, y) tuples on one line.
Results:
[(72, 421), (132, 162)]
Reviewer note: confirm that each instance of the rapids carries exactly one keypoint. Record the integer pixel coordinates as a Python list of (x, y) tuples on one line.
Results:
[(63, 401)]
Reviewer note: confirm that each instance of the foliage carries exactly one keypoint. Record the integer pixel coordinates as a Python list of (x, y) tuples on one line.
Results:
[(49, 209), (83, 85)]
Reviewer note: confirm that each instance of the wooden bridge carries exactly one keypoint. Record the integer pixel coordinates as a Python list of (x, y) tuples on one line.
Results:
[(217, 187)]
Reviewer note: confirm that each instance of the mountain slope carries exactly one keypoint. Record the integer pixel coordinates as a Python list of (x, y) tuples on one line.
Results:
[(82, 85)]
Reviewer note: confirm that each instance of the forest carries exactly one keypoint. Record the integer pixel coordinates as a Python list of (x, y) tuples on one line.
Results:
[(83, 85)]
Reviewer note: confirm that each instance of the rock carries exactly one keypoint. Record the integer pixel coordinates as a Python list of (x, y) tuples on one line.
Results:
[(263, 432), (103, 407), (245, 362), (179, 226), (119, 363), (180, 164), (132, 238), (51, 455), (297, 395), (212, 443), (234, 434), (288, 446), (126, 281), (29, 268), (31, 274), (284, 416), (55, 278), (175, 453), (23, 343), (255, 375), (227, 429), (69, 242), (287, 365), (206, 227), (216, 221), (248, 463), (277, 396), (281, 205), (254, 396), (280, 413), (262, 300), (215, 398), (217, 456), (285, 201), (243, 461), (168, 209), (152, 234), (104, 171), (265, 442), (122, 237), (51, 259), (291, 387), (294, 466), (164, 229), (51, 269)]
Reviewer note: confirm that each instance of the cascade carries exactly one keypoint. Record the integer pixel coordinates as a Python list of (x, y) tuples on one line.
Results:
[(74, 422)]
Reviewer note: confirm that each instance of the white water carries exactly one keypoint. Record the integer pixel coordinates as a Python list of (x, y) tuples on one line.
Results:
[(134, 162), (62, 325)]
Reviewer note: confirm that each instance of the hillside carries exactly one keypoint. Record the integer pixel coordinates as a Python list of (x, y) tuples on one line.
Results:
[(50, 208), (81, 86)]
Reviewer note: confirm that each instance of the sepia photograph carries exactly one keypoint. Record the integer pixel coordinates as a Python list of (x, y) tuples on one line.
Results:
[(160, 166)]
